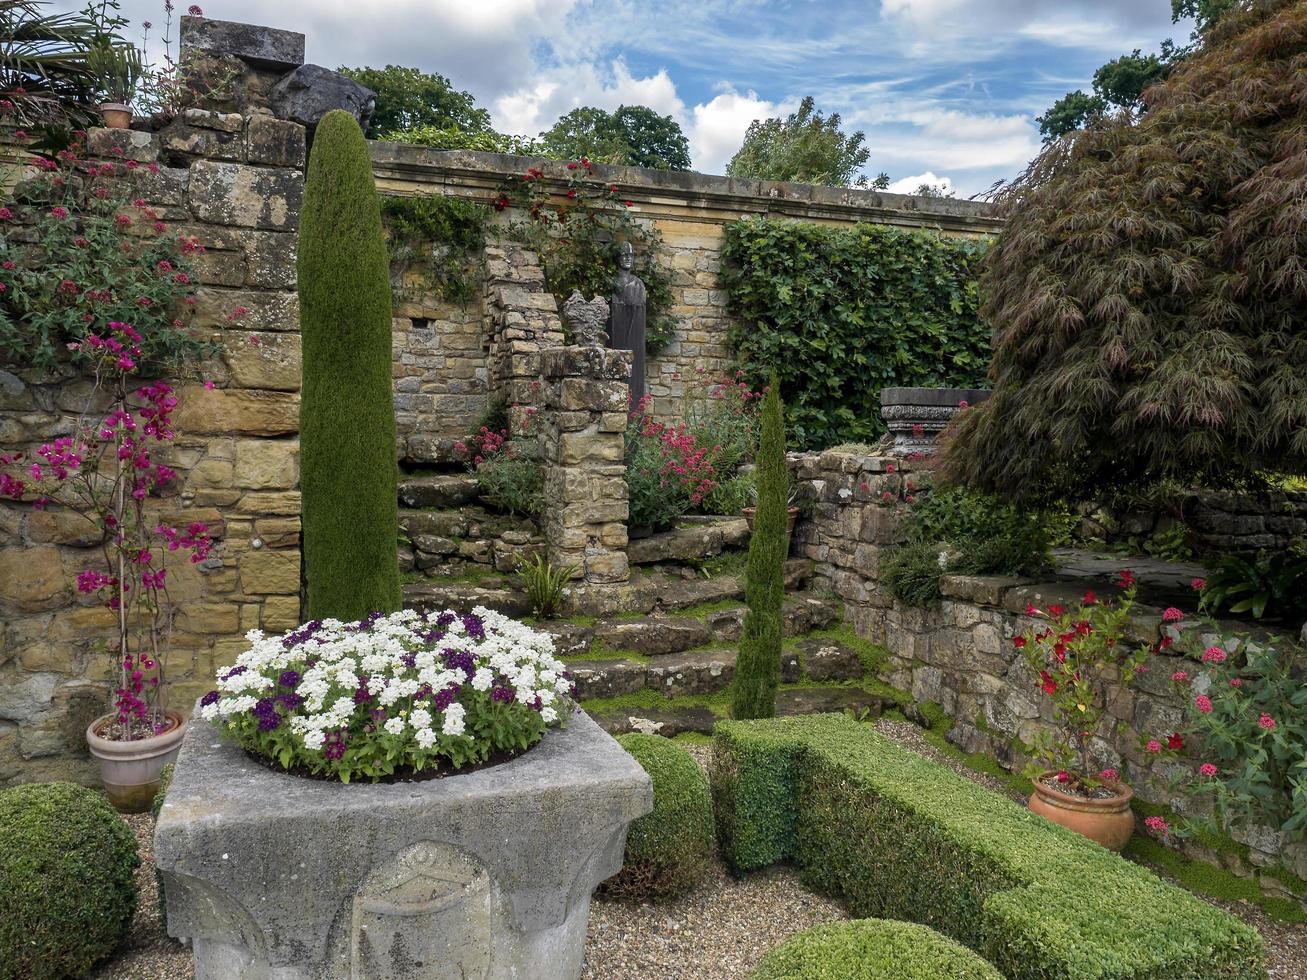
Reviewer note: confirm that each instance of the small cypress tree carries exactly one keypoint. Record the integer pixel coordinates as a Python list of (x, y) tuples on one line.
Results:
[(347, 415), (757, 671)]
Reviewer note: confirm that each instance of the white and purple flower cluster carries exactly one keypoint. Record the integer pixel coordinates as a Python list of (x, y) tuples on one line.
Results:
[(408, 691)]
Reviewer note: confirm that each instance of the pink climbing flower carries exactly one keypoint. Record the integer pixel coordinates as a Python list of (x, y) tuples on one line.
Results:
[(1154, 746), (1236, 682), (1180, 677)]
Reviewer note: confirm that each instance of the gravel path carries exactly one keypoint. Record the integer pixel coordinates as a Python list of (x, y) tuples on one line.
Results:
[(717, 932)]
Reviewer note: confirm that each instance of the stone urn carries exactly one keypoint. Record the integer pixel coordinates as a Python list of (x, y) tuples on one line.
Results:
[(1108, 821), (916, 416), (130, 770), (115, 115), (485, 874)]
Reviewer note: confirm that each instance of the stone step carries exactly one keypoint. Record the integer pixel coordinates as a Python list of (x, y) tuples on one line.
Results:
[(433, 595), (438, 490), (651, 592), (676, 719), (698, 541), (801, 614), (654, 635), (708, 671)]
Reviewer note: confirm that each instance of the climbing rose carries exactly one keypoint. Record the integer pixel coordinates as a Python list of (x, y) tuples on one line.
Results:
[(1207, 769), (1266, 722), (1203, 703)]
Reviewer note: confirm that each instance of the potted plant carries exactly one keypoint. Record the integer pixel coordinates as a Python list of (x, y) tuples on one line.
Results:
[(116, 70), (791, 508), (106, 473), (1073, 655)]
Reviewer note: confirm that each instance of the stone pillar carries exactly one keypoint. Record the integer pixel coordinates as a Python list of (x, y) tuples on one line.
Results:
[(916, 416), (523, 321), (583, 426)]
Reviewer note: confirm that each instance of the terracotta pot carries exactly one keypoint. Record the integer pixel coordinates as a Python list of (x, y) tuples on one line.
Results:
[(130, 770), (1108, 821), (116, 115), (792, 512)]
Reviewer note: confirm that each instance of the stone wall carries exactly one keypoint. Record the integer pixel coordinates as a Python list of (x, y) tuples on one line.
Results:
[(960, 655), (232, 176), (690, 212)]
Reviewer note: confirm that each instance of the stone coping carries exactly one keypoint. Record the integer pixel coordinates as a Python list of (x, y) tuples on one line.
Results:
[(482, 175), (941, 397)]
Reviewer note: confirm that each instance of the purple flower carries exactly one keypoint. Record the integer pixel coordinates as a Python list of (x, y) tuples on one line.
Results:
[(443, 699), (504, 695), (301, 635), (265, 709), (333, 747), (474, 627), (409, 660), (444, 620), (289, 678), (234, 672), (209, 699), (460, 660)]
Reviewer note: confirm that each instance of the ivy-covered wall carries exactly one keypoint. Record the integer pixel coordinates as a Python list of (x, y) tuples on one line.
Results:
[(839, 313)]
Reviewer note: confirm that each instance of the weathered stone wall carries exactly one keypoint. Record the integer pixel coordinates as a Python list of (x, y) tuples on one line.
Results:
[(234, 180), (960, 655), (690, 211), (1217, 521)]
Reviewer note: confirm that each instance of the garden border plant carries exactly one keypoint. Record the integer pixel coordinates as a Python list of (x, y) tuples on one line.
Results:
[(896, 835)]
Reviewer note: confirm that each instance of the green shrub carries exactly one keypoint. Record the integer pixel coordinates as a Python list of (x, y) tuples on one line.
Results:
[(896, 835), (1270, 584), (872, 949), (989, 535), (66, 874), (758, 666), (347, 415), (912, 573), (544, 584), (840, 313), (434, 239), (667, 851)]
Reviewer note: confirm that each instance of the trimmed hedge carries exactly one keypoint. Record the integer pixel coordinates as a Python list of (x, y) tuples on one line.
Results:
[(667, 850), (66, 874), (895, 835), (872, 949), (840, 313)]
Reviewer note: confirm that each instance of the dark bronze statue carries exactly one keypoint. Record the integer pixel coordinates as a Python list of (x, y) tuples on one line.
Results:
[(628, 311)]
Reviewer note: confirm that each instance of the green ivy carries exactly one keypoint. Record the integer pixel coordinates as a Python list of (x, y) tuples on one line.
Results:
[(435, 237), (840, 313)]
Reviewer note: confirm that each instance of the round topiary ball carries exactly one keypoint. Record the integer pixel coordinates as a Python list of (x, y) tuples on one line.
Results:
[(66, 864), (667, 851), (873, 949)]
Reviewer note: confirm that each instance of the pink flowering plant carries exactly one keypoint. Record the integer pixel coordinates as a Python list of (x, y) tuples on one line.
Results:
[(507, 465), (1246, 716), (80, 248), (721, 412), (667, 471), (392, 697), (107, 472), (1073, 655)]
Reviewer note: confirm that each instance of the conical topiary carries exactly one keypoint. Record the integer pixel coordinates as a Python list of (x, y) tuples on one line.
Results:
[(758, 668), (347, 415)]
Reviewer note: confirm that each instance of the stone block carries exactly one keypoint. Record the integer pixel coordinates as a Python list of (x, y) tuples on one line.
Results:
[(252, 197), (274, 142), (228, 412), (123, 144), (418, 880), (263, 47), (266, 572), (266, 464), (62, 527), (271, 364), (280, 613), (32, 579), (309, 92)]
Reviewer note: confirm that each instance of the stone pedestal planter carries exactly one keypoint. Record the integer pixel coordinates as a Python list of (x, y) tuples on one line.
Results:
[(482, 875), (916, 416)]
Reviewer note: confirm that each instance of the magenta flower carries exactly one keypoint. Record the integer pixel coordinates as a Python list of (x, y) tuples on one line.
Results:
[(1109, 774), (1266, 722), (1203, 703), (1180, 677), (1172, 615), (1154, 746), (1214, 655), (1207, 769), (1158, 826)]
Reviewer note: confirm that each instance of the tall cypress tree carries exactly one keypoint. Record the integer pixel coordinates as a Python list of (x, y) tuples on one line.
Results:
[(347, 415), (758, 668)]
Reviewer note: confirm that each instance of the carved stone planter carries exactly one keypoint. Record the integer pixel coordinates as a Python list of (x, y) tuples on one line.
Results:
[(482, 875), (916, 416)]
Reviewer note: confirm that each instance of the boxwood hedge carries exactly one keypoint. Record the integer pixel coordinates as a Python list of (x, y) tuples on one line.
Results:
[(872, 949), (667, 850), (895, 835)]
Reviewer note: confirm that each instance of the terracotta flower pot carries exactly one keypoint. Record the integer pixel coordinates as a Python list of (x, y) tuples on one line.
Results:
[(1108, 821), (116, 115), (130, 770), (792, 512)]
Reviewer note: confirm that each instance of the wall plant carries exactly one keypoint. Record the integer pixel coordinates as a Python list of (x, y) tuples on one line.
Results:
[(840, 313)]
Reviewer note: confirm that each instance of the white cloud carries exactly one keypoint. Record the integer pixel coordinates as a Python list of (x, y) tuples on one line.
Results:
[(529, 110), (909, 185), (718, 127)]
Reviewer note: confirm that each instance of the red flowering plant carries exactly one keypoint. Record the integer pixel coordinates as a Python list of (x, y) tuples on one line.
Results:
[(106, 471), (507, 465), (1246, 728), (721, 413), (79, 249), (667, 472), (577, 222), (1074, 655)]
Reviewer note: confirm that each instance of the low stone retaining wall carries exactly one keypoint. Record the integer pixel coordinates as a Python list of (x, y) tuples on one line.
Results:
[(1218, 521), (960, 655)]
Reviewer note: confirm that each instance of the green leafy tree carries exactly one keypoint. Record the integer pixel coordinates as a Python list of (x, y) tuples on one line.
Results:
[(409, 98), (758, 668), (1121, 82), (633, 135), (1161, 334), (347, 415), (806, 147)]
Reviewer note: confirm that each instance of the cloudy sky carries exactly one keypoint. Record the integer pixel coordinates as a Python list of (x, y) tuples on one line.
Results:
[(946, 90)]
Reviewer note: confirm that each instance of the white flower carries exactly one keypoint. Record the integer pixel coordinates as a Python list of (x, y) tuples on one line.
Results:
[(420, 718), (453, 719), (395, 726), (209, 711), (482, 679), (548, 715), (943, 559), (313, 740), (426, 738)]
